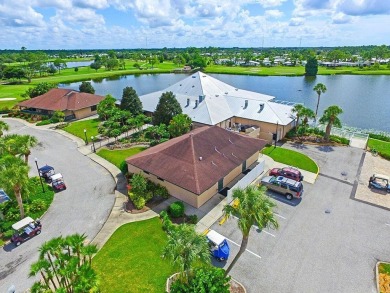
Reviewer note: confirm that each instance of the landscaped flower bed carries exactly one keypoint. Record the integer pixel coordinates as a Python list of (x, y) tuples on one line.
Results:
[(384, 277)]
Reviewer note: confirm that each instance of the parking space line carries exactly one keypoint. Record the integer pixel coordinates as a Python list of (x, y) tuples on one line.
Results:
[(245, 249), (259, 228), (276, 214)]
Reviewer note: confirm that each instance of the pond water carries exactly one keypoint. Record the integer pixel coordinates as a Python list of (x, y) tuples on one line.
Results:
[(364, 99)]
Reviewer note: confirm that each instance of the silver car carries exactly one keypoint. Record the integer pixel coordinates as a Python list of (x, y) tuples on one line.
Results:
[(288, 187)]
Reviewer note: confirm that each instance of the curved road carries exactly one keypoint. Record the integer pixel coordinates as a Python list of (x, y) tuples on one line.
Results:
[(82, 208)]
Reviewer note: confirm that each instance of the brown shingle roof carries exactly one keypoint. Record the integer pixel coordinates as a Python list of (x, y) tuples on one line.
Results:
[(197, 160), (61, 100)]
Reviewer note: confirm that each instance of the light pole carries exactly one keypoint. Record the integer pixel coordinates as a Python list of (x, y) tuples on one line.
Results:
[(276, 134), (86, 138), (93, 144), (39, 174)]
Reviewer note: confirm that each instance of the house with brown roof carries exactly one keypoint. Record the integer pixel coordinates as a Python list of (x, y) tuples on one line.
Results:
[(74, 104), (199, 164)]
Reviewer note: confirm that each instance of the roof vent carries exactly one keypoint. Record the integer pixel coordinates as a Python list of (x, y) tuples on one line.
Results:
[(193, 86), (200, 158), (261, 107), (196, 104), (246, 104), (236, 89), (180, 84), (226, 93), (188, 102), (201, 98), (204, 75), (193, 76), (217, 95)]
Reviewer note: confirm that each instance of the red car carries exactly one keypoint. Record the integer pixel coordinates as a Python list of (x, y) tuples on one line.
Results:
[(288, 172), (25, 229)]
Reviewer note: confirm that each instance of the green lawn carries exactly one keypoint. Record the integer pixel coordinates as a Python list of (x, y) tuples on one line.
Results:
[(131, 260), (77, 128), (291, 158), (381, 146), (116, 157)]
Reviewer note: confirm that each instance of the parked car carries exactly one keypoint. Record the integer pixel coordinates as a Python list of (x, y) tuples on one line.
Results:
[(286, 186), (25, 229), (57, 182), (219, 248), (46, 172), (288, 172), (379, 181)]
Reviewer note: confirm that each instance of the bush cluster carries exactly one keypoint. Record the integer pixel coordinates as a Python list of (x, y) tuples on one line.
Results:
[(377, 136), (176, 209)]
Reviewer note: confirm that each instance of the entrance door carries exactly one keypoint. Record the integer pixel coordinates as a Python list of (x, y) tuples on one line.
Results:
[(220, 184)]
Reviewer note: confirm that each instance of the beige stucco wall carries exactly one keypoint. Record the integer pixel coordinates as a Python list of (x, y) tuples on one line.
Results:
[(82, 113), (187, 196)]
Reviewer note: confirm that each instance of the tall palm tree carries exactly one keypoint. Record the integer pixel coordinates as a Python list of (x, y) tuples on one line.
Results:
[(3, 127), (297, 110), (319, 88), (14, 176), (331, 118), (186, 247), (25, 143), (253, 208)]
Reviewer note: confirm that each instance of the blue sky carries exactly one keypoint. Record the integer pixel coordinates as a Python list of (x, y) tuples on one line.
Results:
[(107, 24)]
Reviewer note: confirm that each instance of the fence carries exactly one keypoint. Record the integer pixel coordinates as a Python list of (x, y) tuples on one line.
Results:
[(246, 180), (351, 135)]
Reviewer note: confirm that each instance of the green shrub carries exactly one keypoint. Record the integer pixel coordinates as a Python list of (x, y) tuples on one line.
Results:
[(379, 136), (38, 205), (43, 122), (176, 209), (204, 279), (339, 139), (138, 184), (62, 125), (161, 191), (138, 201), (192, 219), (167, 224), (8, 233), (123, 167)]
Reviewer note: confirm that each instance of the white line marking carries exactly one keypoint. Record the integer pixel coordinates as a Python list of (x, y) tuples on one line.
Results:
[(280, 216), (259, 229), (245, 249)]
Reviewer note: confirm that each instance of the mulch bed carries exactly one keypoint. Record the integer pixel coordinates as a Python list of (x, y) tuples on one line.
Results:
[(235, 287), (155, 201)]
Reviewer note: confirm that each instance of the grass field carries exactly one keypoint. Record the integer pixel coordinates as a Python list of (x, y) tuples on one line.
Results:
[(291, 158), (77, 128), (116, 157), (381, 146), (131, 260)]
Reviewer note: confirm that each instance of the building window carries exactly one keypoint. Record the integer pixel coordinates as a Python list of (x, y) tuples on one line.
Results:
[(94, 108), (159, 178)]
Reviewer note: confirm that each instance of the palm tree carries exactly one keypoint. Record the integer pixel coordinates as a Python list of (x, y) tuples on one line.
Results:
[(319, 88), (25, 143), (297, 110), (3, 127), (253, 208), (186, 247), (307, 114), (331, 118), (14, 176)]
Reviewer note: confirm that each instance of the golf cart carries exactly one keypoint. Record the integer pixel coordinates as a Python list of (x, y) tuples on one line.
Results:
[(46, 172), (25, 229), (57, 182), (379, 181), (219, 247)]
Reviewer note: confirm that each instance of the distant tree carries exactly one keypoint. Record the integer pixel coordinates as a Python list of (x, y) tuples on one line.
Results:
[(105, 107), (131, 102), (166, 109), (96, 65), (330, 118), (51, 69), (111, 63), (319, 88), (307, 114), (76, 69), (297, 110), (86, 87), (136, 65), (311, 67), (14, 73), (153, 60), (59, 64), (179, 125), (38, 90)]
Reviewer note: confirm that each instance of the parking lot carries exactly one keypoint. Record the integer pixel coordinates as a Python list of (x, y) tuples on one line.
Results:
[(327, 242)]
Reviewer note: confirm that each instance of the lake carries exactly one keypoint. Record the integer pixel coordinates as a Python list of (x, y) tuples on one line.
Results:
[(365, 99)]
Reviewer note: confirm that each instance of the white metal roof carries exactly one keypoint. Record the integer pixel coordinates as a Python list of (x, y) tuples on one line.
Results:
[(215, 237), (221, 101), (56, 176), (22, 223)]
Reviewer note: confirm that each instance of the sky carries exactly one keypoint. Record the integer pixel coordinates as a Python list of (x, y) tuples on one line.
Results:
[(127, 24)]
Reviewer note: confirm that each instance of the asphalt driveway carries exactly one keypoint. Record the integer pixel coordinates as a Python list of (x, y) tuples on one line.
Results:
[(327, 242), (82, 208)]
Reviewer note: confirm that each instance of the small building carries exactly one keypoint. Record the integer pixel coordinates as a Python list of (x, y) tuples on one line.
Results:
[(197, 165), (74, 104)]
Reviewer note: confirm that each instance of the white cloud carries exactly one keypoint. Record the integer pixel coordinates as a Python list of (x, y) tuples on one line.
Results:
[(273, 13), (97, 4), (364, 7), (296, 21), (341, 18), (20, 14), (270, 3)]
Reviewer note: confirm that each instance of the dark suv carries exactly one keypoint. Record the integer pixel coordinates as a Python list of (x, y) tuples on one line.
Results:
[(288, 172), (288, 187)]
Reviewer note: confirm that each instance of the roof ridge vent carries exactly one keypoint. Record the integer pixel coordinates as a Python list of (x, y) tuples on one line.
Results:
[(200, 158)]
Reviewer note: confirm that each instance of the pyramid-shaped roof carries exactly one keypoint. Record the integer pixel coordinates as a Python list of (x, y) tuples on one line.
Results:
[(210, 101), (196, 161)]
